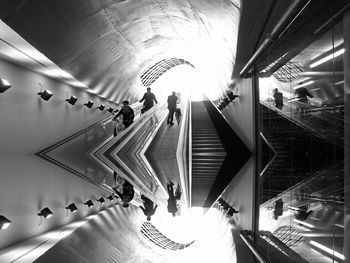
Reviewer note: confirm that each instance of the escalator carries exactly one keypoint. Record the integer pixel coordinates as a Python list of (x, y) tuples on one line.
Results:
[(299, 153), (217, 153)]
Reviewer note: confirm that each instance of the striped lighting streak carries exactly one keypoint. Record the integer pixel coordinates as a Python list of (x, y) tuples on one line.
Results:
[(329, 57), (304, 84), (339, 82), (328, 250), (303, 223), (303, 228)]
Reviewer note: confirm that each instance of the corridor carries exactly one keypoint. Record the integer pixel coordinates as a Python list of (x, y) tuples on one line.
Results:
[(256, 169)]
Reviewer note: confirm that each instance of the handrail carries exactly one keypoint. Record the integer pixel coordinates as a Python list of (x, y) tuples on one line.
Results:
[(283, 23), (223, 127), (181, 154), (237, 153), (190, 152), (253, 248)]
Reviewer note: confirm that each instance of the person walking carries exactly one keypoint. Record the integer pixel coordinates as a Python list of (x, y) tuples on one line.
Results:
[(172, 100), (278, 96), (127, 195), (149, 209), (302, 95), (172, 208), (128, 115), (149, 98)]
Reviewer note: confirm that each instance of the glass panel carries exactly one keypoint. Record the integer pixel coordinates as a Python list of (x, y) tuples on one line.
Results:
[(302, 134)]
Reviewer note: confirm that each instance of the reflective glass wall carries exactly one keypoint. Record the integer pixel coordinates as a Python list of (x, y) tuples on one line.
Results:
[(302, 189)]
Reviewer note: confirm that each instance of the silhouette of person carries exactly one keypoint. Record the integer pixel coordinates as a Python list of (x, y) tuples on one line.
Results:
[(127, 195), (172, 208), (178, 192), (127, 112), (278, 208), (302, 95), (149, 209), (303, 213), (128, 116), (278, 96), (149, 99), (231, 211), (172, 99)]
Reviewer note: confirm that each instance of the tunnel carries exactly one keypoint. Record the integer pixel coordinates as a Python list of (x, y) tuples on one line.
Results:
[(174, 131)]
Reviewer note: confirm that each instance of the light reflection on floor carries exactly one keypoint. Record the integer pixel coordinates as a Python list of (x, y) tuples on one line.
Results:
[(211, 232)]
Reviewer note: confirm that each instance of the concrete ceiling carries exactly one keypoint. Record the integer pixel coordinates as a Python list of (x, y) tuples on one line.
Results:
[(107, 44)]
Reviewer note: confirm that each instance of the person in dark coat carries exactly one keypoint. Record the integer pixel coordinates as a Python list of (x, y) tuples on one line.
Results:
[(231, 211), (172, 208), (149, 208), (278, 211), (172, 100), (128, 115), (303, 213), (278, 96), (127, 195), (149, 98), (302, 95), (178, 192)]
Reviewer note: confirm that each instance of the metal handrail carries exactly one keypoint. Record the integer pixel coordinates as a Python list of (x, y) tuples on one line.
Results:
[(285, 21), (181, 154), (253, 248), (190, 152)]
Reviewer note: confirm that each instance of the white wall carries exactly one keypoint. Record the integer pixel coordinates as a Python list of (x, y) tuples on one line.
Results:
[(240, 115), (27, 125), (240, 193)]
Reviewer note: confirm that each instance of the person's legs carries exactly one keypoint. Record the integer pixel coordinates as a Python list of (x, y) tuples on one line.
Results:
[(171, 116), (170, 190), (168, 120)]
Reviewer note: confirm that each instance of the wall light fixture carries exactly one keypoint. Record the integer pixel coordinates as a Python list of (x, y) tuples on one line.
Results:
[(72, 100), (45, 212), (4, 222), (72, 207), (4, 85)]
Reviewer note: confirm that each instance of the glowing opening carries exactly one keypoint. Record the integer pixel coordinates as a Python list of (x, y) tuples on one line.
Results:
[(186, 81)]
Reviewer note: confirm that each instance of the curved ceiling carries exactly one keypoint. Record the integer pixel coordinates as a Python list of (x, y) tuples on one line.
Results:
[(108, 44)]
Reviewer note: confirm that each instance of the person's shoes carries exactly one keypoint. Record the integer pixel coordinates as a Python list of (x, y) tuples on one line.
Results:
[(171, 183), (171, 124)]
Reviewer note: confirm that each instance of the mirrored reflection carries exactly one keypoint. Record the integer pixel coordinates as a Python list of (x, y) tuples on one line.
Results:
[(302, 178), (73, 153)]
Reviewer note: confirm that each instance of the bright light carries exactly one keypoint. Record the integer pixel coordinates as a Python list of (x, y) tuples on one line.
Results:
[(4, 82), (304, 84), (303, 228), (328, 250), (339, 82), (303, 223), (48, 216), (77, 84), (329, 57), (301, 80), (5, 225)]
